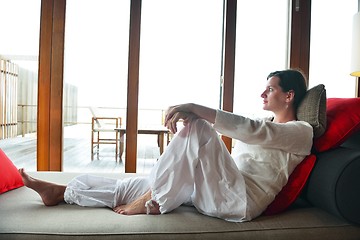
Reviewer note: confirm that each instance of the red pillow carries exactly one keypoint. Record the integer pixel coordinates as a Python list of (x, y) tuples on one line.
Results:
[(343, 119), (293, 187), (10, 178)]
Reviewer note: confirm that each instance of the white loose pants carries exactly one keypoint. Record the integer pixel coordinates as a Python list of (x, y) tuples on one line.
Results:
[(196, 167), (95, 191)]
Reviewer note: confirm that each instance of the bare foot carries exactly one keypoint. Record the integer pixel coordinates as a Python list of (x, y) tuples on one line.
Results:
[(138, 206), (50, 193)]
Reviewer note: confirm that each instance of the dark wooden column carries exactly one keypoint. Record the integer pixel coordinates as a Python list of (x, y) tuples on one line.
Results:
[(229, 61), (50, 85), (133, 87), (300, 35)]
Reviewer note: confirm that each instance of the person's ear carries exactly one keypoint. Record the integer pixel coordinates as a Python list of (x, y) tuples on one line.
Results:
[(290, 96)]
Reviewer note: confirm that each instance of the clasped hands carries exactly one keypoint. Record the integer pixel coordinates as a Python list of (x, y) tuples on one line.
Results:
[(176, 113)]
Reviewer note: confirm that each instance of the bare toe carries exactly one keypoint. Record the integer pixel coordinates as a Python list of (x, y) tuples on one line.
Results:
[(118, 210)]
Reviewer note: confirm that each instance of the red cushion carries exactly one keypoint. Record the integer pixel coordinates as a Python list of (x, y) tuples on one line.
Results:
[(10, 178), (292, 189), (343, 119)]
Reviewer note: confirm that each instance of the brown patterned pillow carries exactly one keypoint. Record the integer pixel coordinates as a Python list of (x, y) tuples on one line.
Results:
[(312, 109)]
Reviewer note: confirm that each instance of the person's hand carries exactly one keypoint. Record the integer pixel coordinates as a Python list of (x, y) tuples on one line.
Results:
[(175, 113), (187, 112)]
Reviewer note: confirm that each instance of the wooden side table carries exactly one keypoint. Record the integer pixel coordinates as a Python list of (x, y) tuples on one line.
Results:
[(160, 132)]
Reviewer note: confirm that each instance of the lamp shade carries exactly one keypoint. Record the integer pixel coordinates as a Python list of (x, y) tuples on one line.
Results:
[(355, 50)]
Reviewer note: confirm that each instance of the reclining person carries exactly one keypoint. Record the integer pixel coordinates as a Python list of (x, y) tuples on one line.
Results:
[(197, 168)]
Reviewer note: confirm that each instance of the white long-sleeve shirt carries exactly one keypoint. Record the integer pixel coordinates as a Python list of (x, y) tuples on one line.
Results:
[(265, 153)]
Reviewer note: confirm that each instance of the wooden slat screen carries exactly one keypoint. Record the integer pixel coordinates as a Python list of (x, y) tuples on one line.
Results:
[(8, 99)]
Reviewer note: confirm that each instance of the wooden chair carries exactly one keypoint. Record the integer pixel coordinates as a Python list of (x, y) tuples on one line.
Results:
[(103, 131)]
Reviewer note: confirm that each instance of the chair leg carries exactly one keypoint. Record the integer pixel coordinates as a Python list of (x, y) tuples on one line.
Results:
[(98, 146), (122, 143), (92, 146), (121, 150), (116, 145)]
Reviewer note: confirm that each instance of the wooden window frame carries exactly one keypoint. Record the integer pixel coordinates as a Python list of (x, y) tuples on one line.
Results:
[(50, 86), (51, 63), (133, 87), (300, 35), (229, 62)]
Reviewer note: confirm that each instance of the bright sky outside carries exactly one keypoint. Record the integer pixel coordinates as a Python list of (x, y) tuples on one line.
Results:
[(96, 51)]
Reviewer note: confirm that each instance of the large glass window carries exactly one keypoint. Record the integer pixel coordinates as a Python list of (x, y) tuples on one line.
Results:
[(95, 77), (19, 49), (330, 49), (180, 58), (261, 47)]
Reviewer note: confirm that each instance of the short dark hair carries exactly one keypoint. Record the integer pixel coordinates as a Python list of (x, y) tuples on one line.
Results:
[(292, 79)]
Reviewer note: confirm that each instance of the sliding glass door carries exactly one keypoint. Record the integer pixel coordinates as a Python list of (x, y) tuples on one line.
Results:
[(19, 50), (330, 46), (261, 47), (180, 59), (95, 81)]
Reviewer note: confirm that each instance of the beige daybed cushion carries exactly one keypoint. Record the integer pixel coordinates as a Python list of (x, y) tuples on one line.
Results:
[(23, 216)]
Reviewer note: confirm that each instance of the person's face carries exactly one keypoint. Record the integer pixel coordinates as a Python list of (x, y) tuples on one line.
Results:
[(274, 98)]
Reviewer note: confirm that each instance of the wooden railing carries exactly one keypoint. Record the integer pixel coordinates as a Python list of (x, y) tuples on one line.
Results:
[(27, 123)]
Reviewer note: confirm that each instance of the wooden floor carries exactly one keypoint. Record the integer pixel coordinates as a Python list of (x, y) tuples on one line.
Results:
[(77, 155)]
